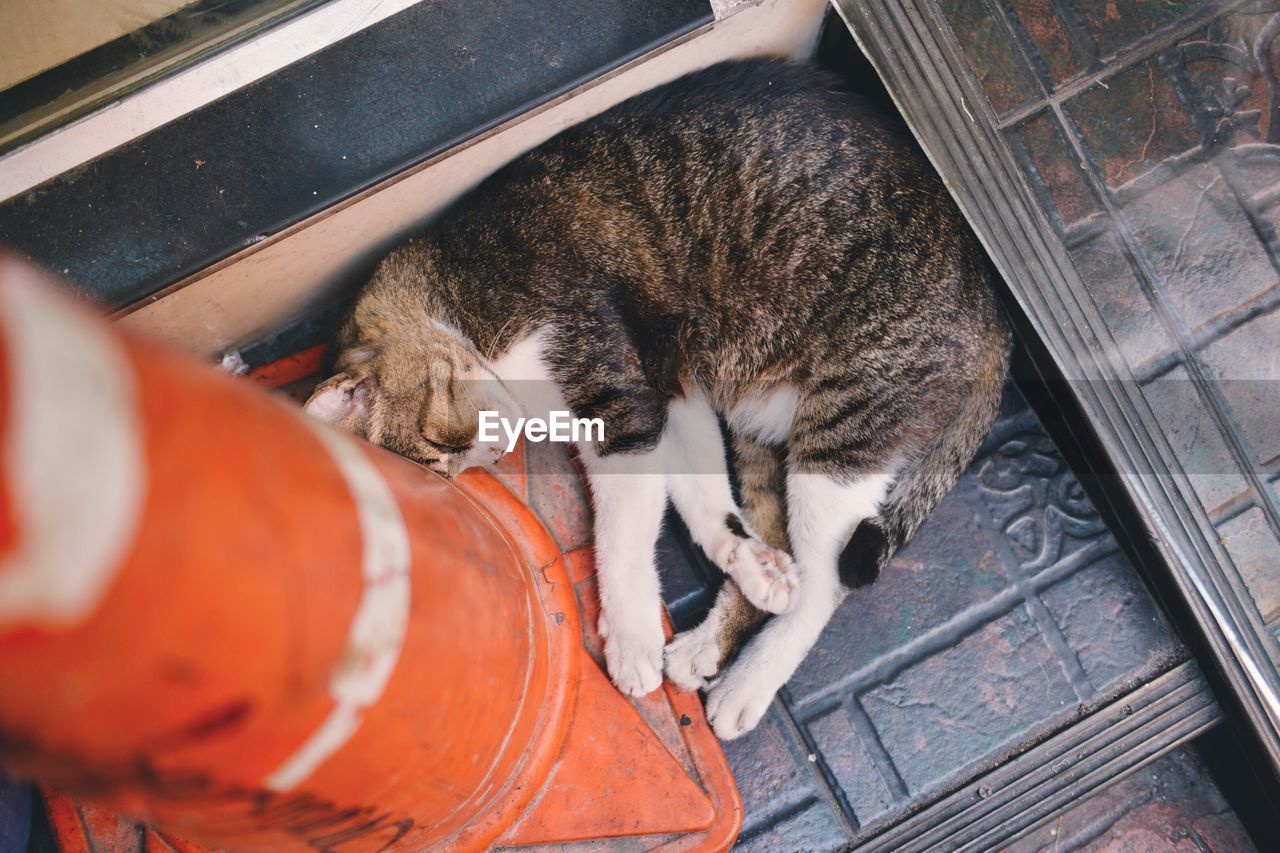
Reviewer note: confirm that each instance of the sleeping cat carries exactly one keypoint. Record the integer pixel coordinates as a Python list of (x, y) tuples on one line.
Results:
[(748, 243)]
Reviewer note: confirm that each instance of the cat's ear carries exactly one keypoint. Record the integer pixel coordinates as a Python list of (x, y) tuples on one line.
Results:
[(342, 401), (353, 356)]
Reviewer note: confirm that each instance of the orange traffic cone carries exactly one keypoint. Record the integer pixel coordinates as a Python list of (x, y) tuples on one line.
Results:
[(254, 632)]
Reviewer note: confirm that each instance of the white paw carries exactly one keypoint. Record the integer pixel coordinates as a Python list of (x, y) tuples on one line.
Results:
[(633, 655), (766, 576), (692, 658), (737, 702)]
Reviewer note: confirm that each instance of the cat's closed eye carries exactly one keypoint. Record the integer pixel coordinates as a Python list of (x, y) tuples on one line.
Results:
[(446, 448)]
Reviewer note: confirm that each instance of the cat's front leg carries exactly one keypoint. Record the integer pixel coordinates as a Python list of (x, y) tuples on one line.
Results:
[(599, 375), (628, 493), (699, 486)]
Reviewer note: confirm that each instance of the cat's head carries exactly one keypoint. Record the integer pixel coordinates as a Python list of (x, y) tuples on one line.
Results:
[(414, 386)]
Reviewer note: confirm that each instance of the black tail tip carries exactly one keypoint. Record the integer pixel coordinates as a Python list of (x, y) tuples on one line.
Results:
[(866, 553)]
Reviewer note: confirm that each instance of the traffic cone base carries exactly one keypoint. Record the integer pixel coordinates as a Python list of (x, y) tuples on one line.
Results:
[(577, 764), (614, 773)]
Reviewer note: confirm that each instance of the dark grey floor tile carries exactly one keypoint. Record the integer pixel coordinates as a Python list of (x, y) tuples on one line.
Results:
[(1256, 553), (1246, 364), (1121, 299), (780, 795), (809, 829), (1111, 624), (1201, 244), (969, 702), (1193, 434), (948, 568), (864, 785)]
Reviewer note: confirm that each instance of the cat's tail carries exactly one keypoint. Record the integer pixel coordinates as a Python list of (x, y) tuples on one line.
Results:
[(926, 480)]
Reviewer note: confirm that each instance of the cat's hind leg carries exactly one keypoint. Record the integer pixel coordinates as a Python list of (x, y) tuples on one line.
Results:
[(698, 483), (697, 655), (762, 480), (823, 511)]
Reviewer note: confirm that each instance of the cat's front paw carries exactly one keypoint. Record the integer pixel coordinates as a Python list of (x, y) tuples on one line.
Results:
[(633, 655), (766, 576), (692, 658), (737, 702)]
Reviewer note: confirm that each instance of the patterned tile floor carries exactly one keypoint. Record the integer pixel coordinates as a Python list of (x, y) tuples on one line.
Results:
[(1010, 613)]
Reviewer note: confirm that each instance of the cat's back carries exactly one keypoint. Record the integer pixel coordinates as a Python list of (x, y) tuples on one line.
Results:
[(760, 119), (749, 183), (742, 129)]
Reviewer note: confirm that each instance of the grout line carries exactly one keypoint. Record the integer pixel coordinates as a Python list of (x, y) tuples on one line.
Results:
[(1213, 330), (1122, 60), (1266, 198), (1061, 647), (828, 788), (1078, 34), (1084, 230), (1158, 367), (869, 735), (1025, 49), (1047, 626), (960, 625), (1037, 184), (1232, 507), (1228, 321)]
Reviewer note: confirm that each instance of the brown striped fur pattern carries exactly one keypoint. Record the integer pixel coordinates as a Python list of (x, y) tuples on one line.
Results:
[(752, 232)]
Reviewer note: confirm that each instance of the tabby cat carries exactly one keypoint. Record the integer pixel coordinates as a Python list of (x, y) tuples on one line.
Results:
[(749, 242)]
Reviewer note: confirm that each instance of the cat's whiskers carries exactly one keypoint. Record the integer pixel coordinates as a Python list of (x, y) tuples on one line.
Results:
[(497, 338)]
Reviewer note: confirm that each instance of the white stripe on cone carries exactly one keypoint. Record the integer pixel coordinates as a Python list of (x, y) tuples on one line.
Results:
[(76, 483), (73, 455), (382, 616)]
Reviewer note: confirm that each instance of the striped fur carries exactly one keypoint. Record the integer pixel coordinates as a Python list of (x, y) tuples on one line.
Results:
[(751, 233)]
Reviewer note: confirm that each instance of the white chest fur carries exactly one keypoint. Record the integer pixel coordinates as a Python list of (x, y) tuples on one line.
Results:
[(765, 417), (523, 370)]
